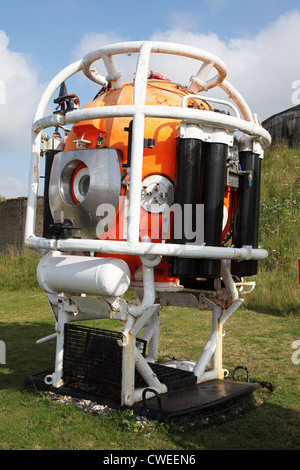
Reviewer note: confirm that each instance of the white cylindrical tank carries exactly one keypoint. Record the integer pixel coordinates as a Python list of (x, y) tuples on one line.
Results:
[(58, 273)]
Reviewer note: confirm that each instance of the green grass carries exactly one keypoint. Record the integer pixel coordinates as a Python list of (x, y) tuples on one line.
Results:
[(30, 420), (259, 336), (280, 206), (18, 270), (277, 291)]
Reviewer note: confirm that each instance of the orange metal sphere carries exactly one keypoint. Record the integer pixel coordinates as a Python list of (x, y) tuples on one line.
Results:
[(159, 160)]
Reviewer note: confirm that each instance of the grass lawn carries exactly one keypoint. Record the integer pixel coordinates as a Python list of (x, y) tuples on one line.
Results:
[(263, 343)]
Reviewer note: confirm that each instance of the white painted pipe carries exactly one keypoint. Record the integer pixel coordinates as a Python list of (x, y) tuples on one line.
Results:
[(36, 143), (228, 281), (147, 373), (210, 346), (141, 249), (56, 378), (145, 317), (209, 375), (212, 100), (233, 307), (139, 111), (160, 47), (138, 393), (238, 99), (209, 118), (128, 363), (57, 273), (113, 75), (149, 293), (46, 338), (198, 81), (135, 171), (33, 186), (151, 336), (152, 330), (206, 354), (137, 146)]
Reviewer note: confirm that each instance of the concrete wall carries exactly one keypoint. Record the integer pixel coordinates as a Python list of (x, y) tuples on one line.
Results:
[(12, 223), (285, 126)]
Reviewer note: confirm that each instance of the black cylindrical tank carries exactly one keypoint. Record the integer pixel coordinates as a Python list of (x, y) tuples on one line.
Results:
[(213, 172), (187, 195), (247, 219)]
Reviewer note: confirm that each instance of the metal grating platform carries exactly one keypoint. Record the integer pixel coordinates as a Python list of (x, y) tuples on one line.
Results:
[(92, 369), (174, 379), (207, 398), (93, 362)]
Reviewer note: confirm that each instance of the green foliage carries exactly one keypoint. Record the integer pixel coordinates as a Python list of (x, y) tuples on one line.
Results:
[(277, 290), (18, 270), (280, 206)]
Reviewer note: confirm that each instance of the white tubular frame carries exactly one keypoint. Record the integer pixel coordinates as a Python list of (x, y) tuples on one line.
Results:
[(139, 111), (136, 317)]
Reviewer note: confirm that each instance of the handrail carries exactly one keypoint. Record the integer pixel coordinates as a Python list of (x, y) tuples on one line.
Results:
[(211, 100)]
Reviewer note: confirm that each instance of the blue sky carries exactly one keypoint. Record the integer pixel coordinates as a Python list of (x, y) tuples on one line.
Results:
[(259, 42)]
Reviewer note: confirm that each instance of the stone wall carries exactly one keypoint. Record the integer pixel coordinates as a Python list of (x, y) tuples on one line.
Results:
[(285, 126), (12, 223)]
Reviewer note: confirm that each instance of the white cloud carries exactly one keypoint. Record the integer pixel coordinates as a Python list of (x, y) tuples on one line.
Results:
[(20, 93), (93, 41), (186, 19), (262, 68), (11, 187), (2, 92), (216, 5)]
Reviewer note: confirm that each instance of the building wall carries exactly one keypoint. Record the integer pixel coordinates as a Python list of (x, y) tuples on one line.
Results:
[(285, 126), (12, 223)]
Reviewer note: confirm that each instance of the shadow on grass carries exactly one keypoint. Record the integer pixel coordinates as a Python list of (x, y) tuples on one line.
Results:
[(23, 356), (248, 427), (269, 309)]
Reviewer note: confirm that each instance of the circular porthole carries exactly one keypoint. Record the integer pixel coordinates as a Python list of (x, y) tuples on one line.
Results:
[(80, 183), (74, 182)]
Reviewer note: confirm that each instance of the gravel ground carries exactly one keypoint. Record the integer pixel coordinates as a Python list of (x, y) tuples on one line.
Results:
[(89, 406)]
